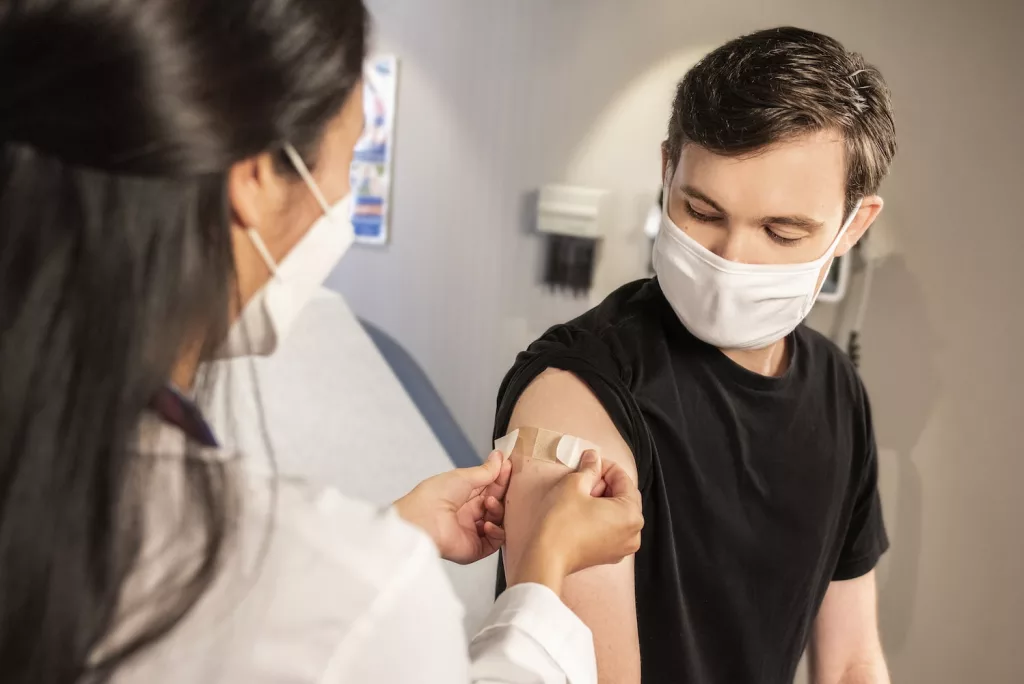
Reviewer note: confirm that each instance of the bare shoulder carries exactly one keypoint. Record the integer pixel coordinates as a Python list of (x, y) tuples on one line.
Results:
[(558, 400)]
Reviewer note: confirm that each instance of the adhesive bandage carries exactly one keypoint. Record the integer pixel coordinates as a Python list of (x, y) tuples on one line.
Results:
[(544, 445)]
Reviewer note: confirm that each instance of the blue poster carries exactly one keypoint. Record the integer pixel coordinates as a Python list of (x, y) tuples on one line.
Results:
[(371, 163)]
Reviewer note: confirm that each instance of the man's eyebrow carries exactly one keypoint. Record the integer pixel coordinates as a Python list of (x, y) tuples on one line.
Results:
[(698, 195), (795, 221)]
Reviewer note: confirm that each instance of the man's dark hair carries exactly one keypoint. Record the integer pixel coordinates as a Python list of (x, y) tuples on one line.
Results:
[(775, 84)]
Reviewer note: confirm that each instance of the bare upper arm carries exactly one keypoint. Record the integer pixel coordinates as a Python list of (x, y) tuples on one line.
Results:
[(845, 645), (603, 597)]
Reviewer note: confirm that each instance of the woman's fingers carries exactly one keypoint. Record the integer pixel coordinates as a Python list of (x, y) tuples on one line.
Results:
[(494, 510), (493, 532), (589, 471), (490, 534), (619, 483), (499, 487), (473, 509), (484, 476)]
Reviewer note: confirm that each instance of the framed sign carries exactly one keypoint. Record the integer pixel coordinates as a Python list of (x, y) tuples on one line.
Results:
[(371, 163)]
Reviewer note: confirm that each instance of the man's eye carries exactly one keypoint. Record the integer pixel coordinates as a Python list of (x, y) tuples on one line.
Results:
[(780, 239), (699, 216)]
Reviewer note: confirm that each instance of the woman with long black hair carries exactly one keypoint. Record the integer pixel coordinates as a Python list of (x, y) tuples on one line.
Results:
[(173, 176)]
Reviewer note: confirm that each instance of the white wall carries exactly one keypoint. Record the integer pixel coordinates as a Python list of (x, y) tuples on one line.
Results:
[(497, 98)]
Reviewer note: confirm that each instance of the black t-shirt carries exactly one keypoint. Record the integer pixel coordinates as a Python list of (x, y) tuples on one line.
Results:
[(757, 491)]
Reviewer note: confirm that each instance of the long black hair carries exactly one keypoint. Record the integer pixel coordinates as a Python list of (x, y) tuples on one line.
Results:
[(119, 120)]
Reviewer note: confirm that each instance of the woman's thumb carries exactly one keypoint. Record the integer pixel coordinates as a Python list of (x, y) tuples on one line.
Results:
[(485, 474), (590, 467)]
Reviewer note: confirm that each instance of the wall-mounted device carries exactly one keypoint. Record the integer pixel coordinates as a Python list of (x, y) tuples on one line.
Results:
[(836, 282), (652, 224), (874, 248), (573, 218)]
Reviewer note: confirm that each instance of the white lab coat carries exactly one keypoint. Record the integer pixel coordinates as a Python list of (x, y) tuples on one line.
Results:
[(319, 588), (346, 592), (337, 416)]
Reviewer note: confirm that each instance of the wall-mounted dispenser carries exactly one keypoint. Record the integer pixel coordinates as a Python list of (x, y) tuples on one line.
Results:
[(573, 218)]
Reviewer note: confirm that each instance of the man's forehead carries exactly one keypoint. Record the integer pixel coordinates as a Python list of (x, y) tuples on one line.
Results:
[(803, 175)]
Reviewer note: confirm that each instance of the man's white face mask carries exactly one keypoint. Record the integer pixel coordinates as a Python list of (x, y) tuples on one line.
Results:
[(731, 305), (268, 316)]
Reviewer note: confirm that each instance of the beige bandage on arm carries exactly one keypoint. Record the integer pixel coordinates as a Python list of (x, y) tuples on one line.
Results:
[(539, 444)]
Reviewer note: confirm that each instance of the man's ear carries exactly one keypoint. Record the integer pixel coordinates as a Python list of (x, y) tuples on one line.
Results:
[(870, 208), (665, 160)]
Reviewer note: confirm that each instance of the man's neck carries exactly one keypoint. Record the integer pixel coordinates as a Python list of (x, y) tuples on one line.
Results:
[(771, 361)]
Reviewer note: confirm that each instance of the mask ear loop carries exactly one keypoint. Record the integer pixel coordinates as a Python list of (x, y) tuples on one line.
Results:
[(832, 251), (307, 177), (261, 248), (845, 227), (303, 171)]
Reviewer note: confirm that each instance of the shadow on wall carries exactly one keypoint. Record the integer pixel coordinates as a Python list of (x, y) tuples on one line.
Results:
[(904, 388), (621, 152), (899, 347)]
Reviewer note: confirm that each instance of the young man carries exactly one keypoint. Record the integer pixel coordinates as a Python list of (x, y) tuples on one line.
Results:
[(750, 435)]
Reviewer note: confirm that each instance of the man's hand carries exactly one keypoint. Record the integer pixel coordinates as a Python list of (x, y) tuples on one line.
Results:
[(462, 509)]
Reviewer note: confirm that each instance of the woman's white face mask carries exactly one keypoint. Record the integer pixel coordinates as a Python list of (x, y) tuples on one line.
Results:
[(731, 305), (269, 315)]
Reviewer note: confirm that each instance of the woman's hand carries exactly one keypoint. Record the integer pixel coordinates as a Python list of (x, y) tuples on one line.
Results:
[(462, 509), (591, 517)]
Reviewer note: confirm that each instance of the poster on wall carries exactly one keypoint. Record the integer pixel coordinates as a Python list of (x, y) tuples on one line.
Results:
[(371, 163)]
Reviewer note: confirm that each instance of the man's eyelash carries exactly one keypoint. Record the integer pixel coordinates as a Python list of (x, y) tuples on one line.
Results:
[(779, 239), (699, 216), (704, 218)]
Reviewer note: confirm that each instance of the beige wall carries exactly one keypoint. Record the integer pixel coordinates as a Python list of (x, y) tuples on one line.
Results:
[(497, 98)]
